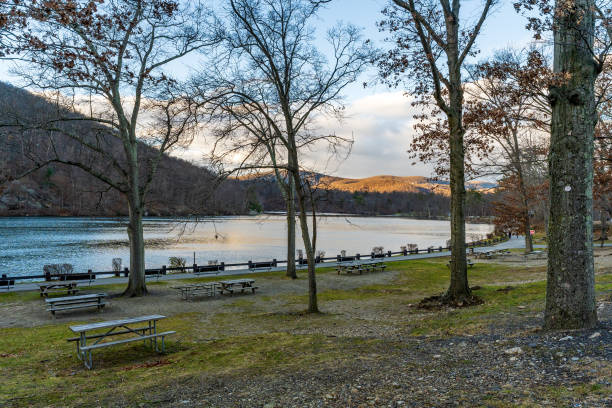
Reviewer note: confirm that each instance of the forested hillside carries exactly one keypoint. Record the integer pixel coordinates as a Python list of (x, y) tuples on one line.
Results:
[(180, 187)]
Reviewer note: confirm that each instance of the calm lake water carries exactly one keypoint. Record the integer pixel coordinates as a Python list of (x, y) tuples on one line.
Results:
[(28, 243)]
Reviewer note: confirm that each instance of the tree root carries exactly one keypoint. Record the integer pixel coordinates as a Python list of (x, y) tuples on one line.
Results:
[(442, 302)]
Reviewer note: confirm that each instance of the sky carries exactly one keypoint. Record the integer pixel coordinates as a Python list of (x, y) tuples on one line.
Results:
[(380, 119), (377, 118)]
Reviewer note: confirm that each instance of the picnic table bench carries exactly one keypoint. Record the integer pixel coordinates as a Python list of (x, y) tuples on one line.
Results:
[(208, 269), (75, 302), (537, 254), (148, 331), (231, 286), (52, 287), (188, 292), (7, 282), (360, 267), (262, 266)]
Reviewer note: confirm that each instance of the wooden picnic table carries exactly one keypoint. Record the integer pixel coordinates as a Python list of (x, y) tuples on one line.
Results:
[(360, 266), (188, 292), (231, 286), (147, 331), (75, 302), (51, 287)]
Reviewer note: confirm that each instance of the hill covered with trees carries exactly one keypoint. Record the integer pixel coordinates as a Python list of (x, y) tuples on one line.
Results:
[(180, 187)]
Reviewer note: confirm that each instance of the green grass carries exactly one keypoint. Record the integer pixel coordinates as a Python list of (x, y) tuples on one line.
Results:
[(51, 375), (38, 366)]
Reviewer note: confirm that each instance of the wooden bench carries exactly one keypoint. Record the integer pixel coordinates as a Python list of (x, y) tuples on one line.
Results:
[(262, 266), (349, 267), (155, 273), (208, 269), (115, 328), (76, 302), (70, 288), (6, 282), (375, 265), (360, 267)]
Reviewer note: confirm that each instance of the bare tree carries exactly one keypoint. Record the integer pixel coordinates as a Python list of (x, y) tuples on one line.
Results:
[(432, 45), (244, 137), (508, 108), (276, 82), (116, 54)]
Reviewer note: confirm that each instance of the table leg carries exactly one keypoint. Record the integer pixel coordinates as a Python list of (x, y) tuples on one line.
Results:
[(155, 332), (150, 332), (81, 343)]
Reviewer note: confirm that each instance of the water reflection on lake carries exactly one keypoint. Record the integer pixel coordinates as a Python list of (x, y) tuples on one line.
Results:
[(28, 243)]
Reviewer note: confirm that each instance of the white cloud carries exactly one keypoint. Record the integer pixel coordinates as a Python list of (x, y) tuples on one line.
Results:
[(382, 127)]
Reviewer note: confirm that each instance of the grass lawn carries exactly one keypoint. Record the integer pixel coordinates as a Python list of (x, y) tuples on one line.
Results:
[(259, 335)]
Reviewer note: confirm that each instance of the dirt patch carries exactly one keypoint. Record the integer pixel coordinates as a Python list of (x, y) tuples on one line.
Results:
[(440, 302), (163, 299)]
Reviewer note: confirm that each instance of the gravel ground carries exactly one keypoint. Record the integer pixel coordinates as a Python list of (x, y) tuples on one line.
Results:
[(502, 369), (167, 301), (512, 364)]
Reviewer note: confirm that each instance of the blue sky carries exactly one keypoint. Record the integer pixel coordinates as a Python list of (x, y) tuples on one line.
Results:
[(380, 119), (504, 28)]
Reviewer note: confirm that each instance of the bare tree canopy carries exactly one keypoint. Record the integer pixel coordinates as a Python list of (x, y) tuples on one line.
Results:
[(271, 84), (111, 61)]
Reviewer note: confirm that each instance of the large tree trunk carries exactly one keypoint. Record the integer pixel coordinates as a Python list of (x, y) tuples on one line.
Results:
[(290, 201), (313, 306), (459, 290), (523, 191), (136, 285), (570, 290)]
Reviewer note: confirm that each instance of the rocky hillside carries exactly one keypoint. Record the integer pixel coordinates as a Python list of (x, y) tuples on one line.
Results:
[(178, 188)]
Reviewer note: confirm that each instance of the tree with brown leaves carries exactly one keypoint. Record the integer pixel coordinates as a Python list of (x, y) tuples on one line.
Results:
[(432, 43), (582, 40), (508, 113)]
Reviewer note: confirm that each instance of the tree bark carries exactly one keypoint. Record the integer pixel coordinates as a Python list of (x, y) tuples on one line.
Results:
[(525, 211), (290, 201), (136, 284), (518, 164), (459, 290), (570, 290), (313, 306), (604, 226)]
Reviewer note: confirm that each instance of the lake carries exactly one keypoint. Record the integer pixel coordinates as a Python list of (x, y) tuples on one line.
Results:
[(28, 243)]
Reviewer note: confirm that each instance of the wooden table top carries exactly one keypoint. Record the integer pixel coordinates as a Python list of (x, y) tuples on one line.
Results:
[(113, 323), (235, 281), (76, 297)]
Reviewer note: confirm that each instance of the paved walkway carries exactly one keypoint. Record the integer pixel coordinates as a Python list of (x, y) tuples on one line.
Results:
[(513, 243)]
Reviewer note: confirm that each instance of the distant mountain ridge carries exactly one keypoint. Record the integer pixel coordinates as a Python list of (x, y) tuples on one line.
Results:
[(406, 184), (386, 184), (178, 188)]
